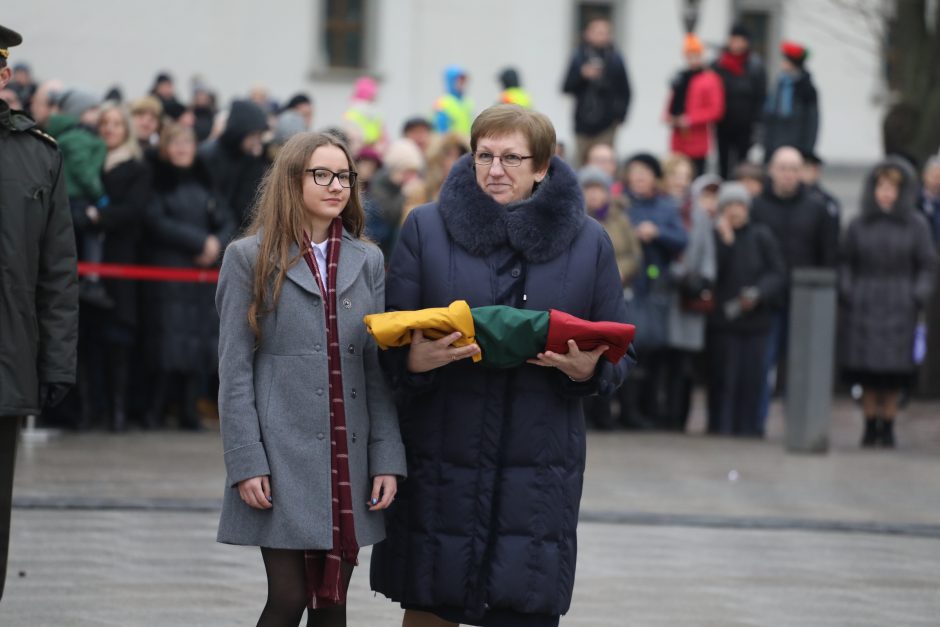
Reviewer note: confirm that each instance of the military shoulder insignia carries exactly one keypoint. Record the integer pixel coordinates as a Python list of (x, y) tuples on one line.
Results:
[(38, 132)]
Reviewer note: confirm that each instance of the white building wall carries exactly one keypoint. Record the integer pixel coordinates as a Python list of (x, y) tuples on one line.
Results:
[(235, 44)]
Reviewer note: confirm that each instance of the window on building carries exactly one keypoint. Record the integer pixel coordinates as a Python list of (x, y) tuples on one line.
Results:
[(345, 33)]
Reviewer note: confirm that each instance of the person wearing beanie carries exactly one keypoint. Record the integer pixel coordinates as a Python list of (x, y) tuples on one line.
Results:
[(419, 130), (164, 90), (750, 280), (363, 117), (235, 159), (597, 79), (791, 113), (744, 79), (696, 101), (402, 167), (610, 210), (812, 179), (513, 93), (658, 225)]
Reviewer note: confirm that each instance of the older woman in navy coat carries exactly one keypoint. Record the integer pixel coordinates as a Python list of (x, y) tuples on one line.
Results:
[(484, 530)]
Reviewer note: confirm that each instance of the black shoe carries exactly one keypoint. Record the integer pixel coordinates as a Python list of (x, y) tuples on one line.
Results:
[(870, 438), (886, 435), (93, 293)]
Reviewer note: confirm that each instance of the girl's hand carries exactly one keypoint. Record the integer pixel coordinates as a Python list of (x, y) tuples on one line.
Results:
[(256, 492), (577, 364), (384, 489), (425, 355)]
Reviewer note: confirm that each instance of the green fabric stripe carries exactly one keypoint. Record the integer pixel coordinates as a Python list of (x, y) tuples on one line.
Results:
[(508, 336)]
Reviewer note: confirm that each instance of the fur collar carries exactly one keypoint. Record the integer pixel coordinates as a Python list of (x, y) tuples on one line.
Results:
[(539, 228)]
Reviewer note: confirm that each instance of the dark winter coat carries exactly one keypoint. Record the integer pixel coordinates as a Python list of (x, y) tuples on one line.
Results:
[(488, 516), (128, 187), (797, 126), (659, 254), (745, 94), (384, 203), (886, 277), (753, 260), (802, 226), (38, 282), (182, 324), (602, 102), (931, 210), (236, 175)]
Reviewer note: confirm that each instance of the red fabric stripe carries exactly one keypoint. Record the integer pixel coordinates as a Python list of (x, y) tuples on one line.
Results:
[(148, 273)]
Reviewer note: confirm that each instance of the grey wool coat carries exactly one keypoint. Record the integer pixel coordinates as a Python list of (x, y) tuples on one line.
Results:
[(274, 400), (886, 276)]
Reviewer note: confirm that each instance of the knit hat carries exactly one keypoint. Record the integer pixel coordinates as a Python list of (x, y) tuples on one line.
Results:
[(692, 45), (75, 102), (730, 192), (288, 124), (590, 175), (147, 104), (365, 89), (649, 161), (369, 154), (794, 52), (740, 30)]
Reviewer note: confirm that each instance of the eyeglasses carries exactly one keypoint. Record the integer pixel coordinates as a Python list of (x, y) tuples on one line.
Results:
[(509, 161), (324, 177)]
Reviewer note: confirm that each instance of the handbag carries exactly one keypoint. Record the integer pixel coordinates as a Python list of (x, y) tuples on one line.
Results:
[(696, 294)]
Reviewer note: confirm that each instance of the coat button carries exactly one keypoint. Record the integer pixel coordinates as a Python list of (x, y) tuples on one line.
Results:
[(317, 347), (351, 349), (354, 437), (316, 303), (319, 391), (321, 435), (353, 393), (347, 304), (515, 273)]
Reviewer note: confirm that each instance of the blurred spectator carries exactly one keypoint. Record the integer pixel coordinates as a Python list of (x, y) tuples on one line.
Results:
[(442, 154), (803, 228), (165, 92), (146, 115), (384, 205), (812, 178), (657, 224), (454, 110), (288, 124), (301, 103), (45, 101), (751, 277), (260, 95), (609, 211), (368, 162), (696, 102), (929, 200), (204, 109), (678, 173), (751, 175), (597, 78), (187, 225), (418, 130), (745, 83), (791, 117), (602, 157), (12, 99), (108, 335), (692, 276), (363, 114), (886, 278), (513, 93), (234, 160), (22, 83), (83, 157)]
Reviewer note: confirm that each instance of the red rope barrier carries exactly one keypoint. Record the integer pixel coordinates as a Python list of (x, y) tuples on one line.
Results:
[(148, 273)]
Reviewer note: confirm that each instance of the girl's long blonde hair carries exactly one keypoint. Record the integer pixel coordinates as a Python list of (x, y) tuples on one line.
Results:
[(278, 218)]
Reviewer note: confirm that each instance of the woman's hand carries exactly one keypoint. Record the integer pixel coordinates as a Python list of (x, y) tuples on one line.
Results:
[(426, 354), (646, 231), (577, 364), (384, 488), (256, 492), (210, 252)]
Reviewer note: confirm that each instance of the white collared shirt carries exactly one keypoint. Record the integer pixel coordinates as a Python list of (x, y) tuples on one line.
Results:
[(319, 253)]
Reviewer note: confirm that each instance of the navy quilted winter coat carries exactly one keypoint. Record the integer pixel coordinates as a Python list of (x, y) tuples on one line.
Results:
[(486, 521)]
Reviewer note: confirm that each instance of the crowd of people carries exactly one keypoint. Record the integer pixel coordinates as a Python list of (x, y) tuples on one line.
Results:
[(705, 257)]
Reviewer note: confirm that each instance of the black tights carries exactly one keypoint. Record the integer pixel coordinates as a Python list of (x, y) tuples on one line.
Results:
[(287, 592)]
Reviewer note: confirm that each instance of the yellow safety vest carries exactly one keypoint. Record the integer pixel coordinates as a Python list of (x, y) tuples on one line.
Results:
[(460, 112), (371, 127), (517, 96)]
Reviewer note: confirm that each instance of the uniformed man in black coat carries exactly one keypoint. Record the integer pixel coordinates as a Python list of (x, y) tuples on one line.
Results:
[(38, 283)]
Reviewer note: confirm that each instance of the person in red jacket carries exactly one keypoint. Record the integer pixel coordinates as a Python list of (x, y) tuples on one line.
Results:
[(696, 102)]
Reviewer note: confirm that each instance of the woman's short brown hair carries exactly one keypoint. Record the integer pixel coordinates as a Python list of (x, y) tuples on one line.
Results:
[(504, 119)]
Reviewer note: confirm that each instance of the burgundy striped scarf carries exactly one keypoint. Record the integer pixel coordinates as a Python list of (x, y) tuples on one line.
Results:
[(325, 581)]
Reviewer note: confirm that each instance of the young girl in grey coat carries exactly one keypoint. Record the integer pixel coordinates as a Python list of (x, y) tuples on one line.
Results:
[(310, 433)]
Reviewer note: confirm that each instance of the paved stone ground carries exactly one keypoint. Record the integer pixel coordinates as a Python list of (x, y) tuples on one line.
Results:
[(119, 530)]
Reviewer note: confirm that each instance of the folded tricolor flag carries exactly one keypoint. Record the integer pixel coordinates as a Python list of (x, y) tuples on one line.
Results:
[(507, 336)]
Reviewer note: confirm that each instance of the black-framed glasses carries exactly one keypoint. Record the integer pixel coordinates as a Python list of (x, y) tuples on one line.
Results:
[(324, 177), (511, 160)]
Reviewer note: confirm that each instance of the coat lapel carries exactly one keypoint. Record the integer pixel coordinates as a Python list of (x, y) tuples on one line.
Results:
[(352, 256), (300, 274)]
